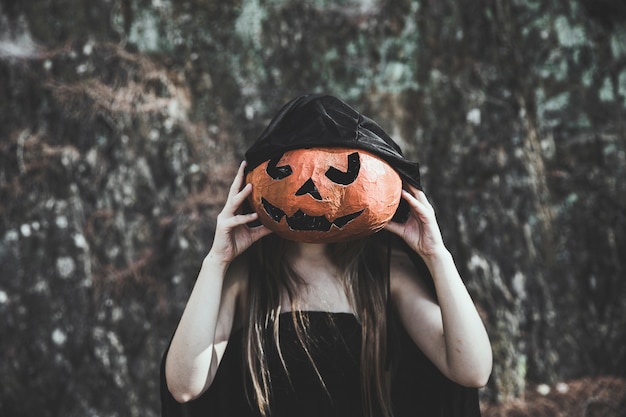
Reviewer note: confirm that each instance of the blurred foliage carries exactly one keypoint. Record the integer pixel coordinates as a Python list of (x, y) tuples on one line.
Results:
[(123, 121)]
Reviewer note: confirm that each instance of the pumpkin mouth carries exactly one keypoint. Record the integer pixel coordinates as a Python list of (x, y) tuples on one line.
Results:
[(302, 221)]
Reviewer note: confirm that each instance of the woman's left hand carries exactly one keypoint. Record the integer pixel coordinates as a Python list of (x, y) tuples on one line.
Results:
[(420, 231)]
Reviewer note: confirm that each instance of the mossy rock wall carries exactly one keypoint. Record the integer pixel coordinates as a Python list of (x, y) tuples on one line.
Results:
[(122, 123)]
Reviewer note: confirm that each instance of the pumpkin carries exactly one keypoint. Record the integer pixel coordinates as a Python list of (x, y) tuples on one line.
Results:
[(322, 195)]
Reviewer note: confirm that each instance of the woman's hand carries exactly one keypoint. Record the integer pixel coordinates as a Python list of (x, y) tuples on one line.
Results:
[(232, 233), (420, 231)]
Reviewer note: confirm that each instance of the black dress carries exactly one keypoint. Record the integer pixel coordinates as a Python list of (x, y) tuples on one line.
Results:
[(418, 388)]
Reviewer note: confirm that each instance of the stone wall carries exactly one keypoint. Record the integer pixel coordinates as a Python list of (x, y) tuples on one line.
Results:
[(123, 121)]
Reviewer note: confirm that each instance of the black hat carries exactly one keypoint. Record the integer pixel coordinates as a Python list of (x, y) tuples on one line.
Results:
[(317, 120)]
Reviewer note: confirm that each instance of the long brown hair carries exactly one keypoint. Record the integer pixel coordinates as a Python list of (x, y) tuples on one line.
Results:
[(364, 268)]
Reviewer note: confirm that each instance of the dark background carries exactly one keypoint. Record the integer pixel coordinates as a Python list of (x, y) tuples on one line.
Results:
[(123, 121)]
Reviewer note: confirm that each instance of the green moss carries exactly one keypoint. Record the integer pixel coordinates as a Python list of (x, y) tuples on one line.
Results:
[(621, 83), (610, 149), (571, 199), (587, 76), (582, 121), (556, 66), (546, 107), (618, 42), (144, 32), (606, 90), (157, 28), (569, 35), (558, 102), (249, 25)]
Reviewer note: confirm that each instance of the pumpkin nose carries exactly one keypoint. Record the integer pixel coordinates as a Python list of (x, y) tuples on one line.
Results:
[(309, 188)]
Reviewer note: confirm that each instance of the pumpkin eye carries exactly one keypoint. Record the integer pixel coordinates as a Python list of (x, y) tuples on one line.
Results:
[(276, 172), (348, 177)]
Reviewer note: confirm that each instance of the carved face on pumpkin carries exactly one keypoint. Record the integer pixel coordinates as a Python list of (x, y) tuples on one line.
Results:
[(322, 195)]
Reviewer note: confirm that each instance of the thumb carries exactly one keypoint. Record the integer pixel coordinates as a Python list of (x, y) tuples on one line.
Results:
[(395, 228), (258, 232)]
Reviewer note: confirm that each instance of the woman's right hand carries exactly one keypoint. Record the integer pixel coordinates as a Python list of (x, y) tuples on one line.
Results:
[(232, 233)]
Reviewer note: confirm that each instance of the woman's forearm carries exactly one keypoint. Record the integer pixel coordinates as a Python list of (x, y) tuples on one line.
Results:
[(191, 352), (467, 346)]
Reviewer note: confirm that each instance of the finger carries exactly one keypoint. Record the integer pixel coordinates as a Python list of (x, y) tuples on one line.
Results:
[(410, 198), (421, 196), (238, 180), (259, 232), (423, 210), (234, 202), (417, 193), (410, 187), (241, 219), (239, 198)]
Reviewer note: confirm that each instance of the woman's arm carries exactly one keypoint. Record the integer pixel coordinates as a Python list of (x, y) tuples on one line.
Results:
[(447, 329), (202, 333), (205, 326)]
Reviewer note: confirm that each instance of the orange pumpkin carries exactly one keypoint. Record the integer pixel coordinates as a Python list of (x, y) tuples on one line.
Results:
[(322, 195)]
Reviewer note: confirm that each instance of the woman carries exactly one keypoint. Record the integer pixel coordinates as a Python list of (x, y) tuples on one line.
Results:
[(280, 328)]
